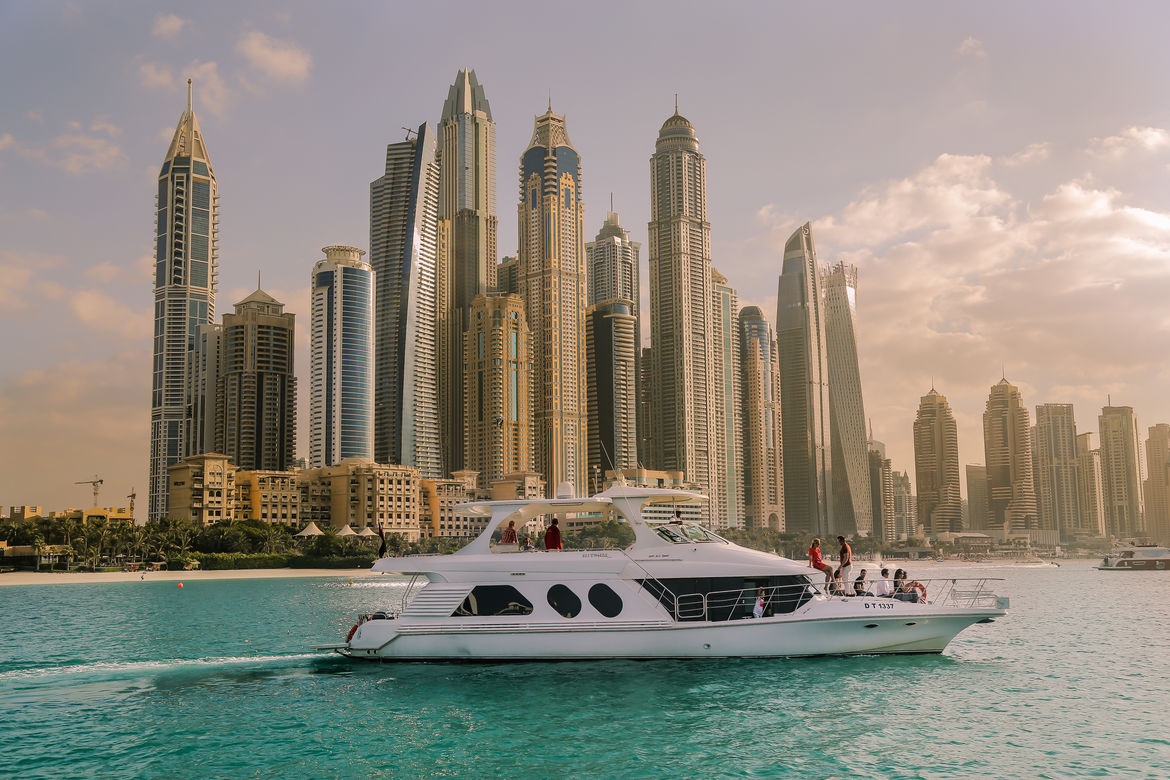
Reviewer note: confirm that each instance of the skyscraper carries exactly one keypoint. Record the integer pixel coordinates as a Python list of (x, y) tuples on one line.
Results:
[(611, 388), (881, 486), (686, 416), (403, 254), (1122, 470), (1157, 492), (1091, 521), (611, 263), (1007, 447), (202, 388), (905, 506), (936, 465), (804, 388), (976, 497), (852, 508), (1054, 452), (257, 398), (551, 218), (763, 459), (498, 402), (341, 358), (728, 402), (186, 252), (467, 243)]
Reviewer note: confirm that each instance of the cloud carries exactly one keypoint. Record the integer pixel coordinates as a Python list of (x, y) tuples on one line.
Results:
[(98, 311), (210, 89), (1030, 153), (152, 74), (6, 140), (168, 25), (1132, 139), (278, 59), (78, 153), (33, 115), (959, 275), (23, 285), (971, 47), (23, 214)]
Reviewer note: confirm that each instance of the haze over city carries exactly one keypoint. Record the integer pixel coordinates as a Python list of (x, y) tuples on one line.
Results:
[(998, 178)]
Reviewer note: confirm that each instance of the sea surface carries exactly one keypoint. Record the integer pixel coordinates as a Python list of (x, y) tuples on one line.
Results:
[(217, 679)]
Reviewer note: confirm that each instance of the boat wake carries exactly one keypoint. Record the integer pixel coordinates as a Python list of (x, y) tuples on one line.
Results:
[(111, 670)]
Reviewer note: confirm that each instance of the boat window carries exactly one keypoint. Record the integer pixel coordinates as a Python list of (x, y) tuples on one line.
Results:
[(492, 600), (605, 601), (687, 533), (671, 534), (729, 598), (564, 601)]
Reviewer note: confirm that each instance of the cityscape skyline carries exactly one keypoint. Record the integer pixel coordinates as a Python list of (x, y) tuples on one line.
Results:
[(975, 198)]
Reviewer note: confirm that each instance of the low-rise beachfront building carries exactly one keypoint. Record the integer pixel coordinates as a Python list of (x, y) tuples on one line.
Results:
[(202, 489), (94, 514), (269, 496), (363, 493), (437, 506), (25, 512)]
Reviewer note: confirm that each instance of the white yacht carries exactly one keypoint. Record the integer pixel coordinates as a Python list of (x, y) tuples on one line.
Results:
[(679, 591), (1137, 557)]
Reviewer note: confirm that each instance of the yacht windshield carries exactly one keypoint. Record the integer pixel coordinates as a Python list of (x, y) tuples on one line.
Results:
[(687, 533)]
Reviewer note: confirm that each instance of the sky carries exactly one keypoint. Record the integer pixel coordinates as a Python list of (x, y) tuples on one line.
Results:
[(996, 171)]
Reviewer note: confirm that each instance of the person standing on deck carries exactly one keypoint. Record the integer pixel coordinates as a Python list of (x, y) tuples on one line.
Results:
[(844, 558), (552, 537)]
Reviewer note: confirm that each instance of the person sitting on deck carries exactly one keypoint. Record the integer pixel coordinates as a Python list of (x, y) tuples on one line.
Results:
[(882, 586), (903, 591), (859, 584), (815, 561), (552, 537)]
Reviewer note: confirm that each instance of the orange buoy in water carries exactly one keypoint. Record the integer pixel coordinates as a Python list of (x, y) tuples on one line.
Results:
[(351, 580), (180, 584)]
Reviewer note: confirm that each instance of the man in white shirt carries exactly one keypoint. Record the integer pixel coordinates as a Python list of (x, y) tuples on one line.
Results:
[(882, 585)]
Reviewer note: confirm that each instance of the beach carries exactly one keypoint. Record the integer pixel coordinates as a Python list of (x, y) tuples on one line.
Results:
[(86, 578)]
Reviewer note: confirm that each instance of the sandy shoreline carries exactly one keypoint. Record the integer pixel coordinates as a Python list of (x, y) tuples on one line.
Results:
[(58, 578)]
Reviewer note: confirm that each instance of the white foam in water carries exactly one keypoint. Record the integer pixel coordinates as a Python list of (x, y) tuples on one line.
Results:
[(133, 668)]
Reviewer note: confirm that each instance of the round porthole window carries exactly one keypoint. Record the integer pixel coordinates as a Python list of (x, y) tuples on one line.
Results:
[(564, 601), (605, 601)]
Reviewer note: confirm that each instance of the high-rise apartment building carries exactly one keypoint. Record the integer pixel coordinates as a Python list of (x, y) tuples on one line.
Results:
[(404, 205), (551, 219), (852, 508), (905, 506), (1007, 447), (728, 402), (763, 458), (804, 388), (611, 272), (498, 402), (508, 276), (686, 416), (1091, 521), (202, 388), (186, 253), (257, 398), (881, 487), (976, 497), (341, 358), (611, 388), (1122, 472), (936, 466), (1157, 487), (1054, 454), (467, 232)]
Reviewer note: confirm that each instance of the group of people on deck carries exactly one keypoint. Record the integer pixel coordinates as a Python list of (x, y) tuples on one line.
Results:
[(837, 580), (552, 537)]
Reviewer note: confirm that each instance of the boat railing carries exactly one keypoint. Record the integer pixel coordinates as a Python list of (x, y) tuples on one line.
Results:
[(724, 605)]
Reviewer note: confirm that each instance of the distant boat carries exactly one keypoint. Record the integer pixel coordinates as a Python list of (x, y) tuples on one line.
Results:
[(1137, 557)]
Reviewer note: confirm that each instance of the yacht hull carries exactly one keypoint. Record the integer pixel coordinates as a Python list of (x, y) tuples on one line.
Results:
[(910, 632)]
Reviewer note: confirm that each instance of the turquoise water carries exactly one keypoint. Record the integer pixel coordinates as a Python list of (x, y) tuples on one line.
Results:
[(142, 679)]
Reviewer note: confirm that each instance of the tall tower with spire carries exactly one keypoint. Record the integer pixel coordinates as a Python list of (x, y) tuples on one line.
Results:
[(551, 221), (1007, 447), (936, 466), (186, 251), (467, 243), (687, 419)]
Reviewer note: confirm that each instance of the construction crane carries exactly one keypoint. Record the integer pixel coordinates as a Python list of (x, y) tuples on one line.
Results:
[(96, 482), (133, 495)]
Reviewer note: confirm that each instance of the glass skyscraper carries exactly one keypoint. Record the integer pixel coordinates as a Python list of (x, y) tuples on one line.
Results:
[(186, 236), (467, 243), (403, 255), (341, 358)]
